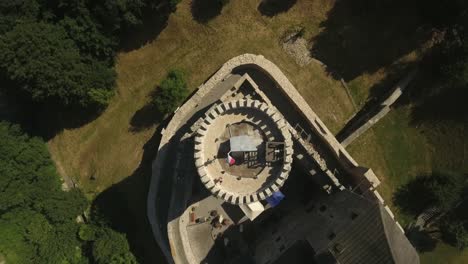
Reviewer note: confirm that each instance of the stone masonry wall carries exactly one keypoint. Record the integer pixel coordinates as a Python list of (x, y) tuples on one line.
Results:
[(366, 176)]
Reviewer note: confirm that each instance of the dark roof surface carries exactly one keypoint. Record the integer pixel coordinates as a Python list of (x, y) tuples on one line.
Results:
[(372, 237)]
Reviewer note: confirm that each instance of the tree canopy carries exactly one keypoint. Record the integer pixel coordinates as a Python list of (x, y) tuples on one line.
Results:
[(446, 191), (172, 91), (37, 219), (111, 247), (45, 63), (62, 52)]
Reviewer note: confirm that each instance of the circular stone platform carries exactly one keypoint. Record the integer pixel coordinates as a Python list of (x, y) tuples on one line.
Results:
[(253, 177)]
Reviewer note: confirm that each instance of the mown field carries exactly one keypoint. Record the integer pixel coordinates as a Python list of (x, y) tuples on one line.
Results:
[(110, 157)]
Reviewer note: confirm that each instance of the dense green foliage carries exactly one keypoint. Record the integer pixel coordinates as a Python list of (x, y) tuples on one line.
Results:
[(62, 52), (453, 17), (446, 191), (111, 247), (456, 232), (172, 91), (442, 190), (38, 219), (44, 62)]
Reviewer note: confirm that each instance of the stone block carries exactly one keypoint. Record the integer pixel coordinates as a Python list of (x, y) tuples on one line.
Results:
[(219, 109), (270, 112), (262, 196), (208, 120), (202, 172), (275, 187)]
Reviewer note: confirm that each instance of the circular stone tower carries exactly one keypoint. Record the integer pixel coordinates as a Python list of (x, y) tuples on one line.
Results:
[(243, 151)]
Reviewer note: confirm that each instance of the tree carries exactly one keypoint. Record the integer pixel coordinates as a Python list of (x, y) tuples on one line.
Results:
[(37, 219), (87, 232), (172, 91), (46, 64), (26, 169), (112, 247), (89, 39), (13, 11), (61, 52), (455, 233), (63, 207), (444, 190), (448, 189), (117, 15)]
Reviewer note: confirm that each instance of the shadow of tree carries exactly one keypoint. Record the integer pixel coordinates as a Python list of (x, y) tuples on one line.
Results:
[(144, 118), (205, 10), (415, 196), (377, 94), (433, 96), (154, 20), (362, 36), (447, 104), (272, 8), (422, 240), (46, 120), (123, 205), (147, 116)]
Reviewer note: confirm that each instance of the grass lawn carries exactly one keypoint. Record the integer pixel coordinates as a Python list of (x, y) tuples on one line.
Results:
[(110, 157), (445, 254)]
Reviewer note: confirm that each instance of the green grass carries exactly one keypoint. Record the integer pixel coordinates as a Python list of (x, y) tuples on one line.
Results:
[(359, 94), (445, 254)]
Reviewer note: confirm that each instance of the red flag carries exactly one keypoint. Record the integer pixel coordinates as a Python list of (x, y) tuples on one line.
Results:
[(231, 160)]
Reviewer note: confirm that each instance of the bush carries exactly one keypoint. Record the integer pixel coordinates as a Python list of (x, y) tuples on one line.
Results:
[(172, 91), (87, 233), (112, 247)]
